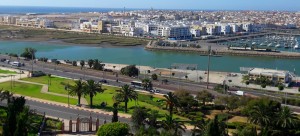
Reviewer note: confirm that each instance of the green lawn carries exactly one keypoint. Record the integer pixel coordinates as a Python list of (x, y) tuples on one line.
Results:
[(7, 72), (34, 91), (144, 100), (55, 87)]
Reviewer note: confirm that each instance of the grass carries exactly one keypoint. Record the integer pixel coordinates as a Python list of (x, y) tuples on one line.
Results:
[(34, 91), (145, 100), (55, 87), (7, 72)]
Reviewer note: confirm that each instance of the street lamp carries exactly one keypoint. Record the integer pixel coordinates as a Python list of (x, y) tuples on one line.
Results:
[(67, 89), (208, 66)]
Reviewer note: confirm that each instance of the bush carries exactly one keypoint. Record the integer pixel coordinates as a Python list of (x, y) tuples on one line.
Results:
[(114, 129), (235, 125), (154, 77), (130, 71)]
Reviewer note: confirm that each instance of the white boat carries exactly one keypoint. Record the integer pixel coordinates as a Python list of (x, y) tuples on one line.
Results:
[(270, 45), (296, 46), (278, 46)]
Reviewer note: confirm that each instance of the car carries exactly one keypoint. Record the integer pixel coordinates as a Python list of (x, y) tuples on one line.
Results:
[(103, 81), (2, 60)]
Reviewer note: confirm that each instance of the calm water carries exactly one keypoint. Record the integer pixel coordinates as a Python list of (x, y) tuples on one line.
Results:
[(137, 55), (47, 10)]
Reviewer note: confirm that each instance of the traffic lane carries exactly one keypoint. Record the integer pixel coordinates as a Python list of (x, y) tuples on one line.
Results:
[(65, 112)]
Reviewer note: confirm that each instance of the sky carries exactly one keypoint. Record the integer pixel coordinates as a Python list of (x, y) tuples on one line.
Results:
[(290, 5)]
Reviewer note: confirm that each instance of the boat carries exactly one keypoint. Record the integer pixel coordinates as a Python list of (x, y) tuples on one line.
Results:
[(278, 46), (296, 46), (270, 45)]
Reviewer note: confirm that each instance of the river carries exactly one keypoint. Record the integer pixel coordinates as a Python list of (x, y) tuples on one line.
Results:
[(139, 56)]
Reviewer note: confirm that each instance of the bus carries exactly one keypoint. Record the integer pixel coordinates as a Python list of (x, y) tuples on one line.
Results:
[(136, 84)]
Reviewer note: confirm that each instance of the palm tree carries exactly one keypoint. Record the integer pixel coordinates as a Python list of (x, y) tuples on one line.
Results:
[(173, 124), (126, 94), (147, 84), (171, 101), (77, 89), (286, 118), (260, 114), (90, 63), (5, 95), (199, 127), (152, 119), (82, 63), (91, 89)]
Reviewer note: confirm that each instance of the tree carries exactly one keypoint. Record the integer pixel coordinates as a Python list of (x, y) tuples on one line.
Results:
[(114, 129), (263, 85), (82, 63), (5, 95), (126, 94), (92, 89), (215, 128), (90, 63), (171, 101), (77, 89), (204, 96), (200, 78), (130, 71), (280, 87), (199, 127), (247, 82), (260, 115), (138, 117), (74, 63), (29, 53), (15, 107), (232, 102), (153, 119), (154, 76), (286, 118), (298, 89), (97, 65), (185, 100), (115, 113), (147, 84), (173, 125)]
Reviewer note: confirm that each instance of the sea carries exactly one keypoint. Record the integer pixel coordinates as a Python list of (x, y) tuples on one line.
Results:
[(50, 10)]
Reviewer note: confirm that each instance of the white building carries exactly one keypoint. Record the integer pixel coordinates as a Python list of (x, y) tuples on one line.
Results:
[(195, 32), (225, 29)]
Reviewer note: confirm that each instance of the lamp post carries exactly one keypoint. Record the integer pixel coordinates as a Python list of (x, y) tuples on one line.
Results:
[(208, 66), (67, 89)]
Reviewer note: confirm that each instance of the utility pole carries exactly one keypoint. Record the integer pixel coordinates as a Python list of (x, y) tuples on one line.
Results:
[(208, 66)]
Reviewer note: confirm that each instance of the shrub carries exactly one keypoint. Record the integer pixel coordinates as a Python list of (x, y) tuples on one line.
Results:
[(154, 77), (114, 129)]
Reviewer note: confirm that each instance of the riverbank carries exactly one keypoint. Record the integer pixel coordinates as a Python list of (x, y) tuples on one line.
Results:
[(222, 51)]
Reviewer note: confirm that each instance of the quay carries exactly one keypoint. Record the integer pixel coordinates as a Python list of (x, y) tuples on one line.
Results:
[(224, 51), (224, 39)]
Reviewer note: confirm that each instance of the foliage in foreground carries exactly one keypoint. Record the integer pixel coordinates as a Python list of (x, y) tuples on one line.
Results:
[(114, 129)]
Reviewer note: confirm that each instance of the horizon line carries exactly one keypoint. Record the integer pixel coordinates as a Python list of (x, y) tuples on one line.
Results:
[(182, 9)]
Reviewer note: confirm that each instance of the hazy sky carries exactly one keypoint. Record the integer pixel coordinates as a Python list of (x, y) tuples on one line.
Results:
[(165, 4)]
